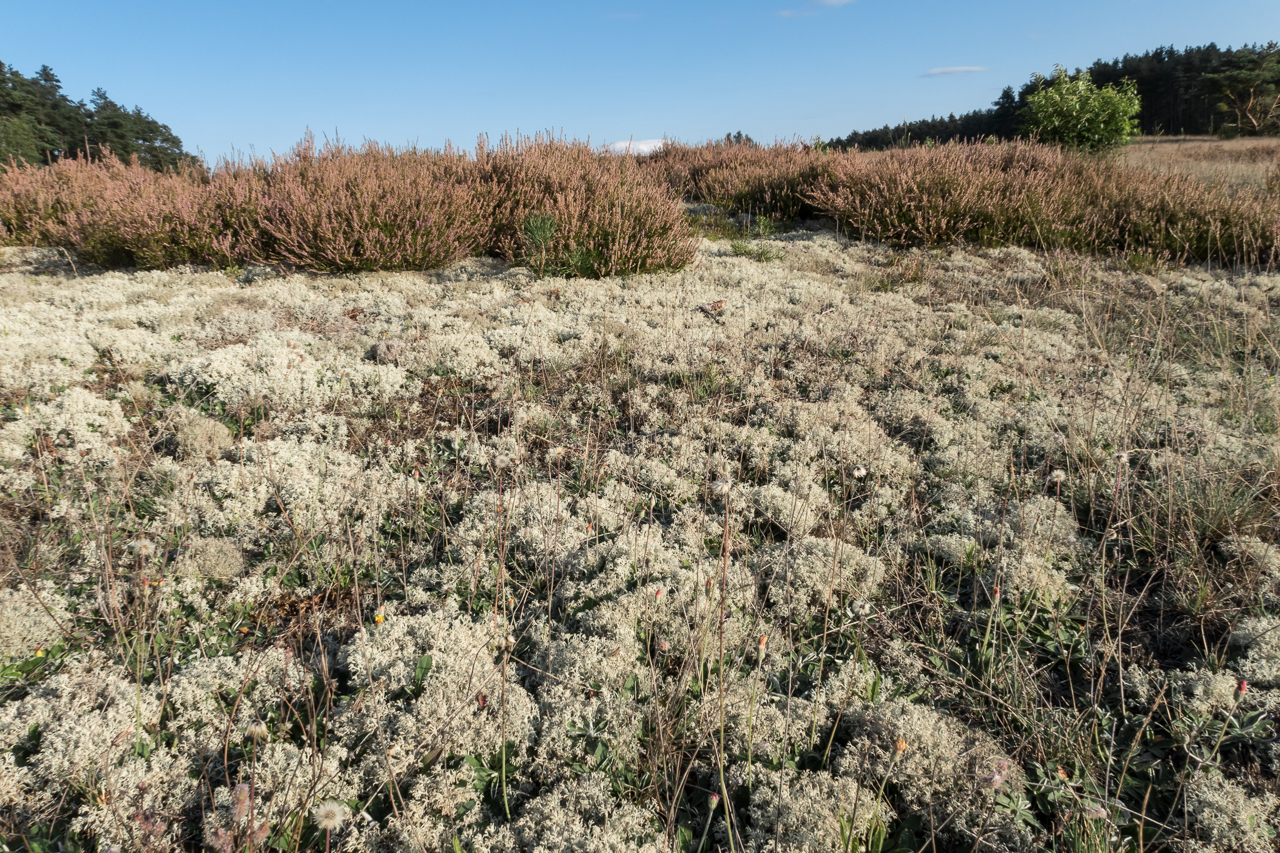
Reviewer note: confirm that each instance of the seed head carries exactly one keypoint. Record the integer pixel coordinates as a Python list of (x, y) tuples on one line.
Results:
[(859, 472), (721, 487), (1057, 476), (998, 775), (555, 454), (240, 802), (331, 815), (501, 461), (257, 730)]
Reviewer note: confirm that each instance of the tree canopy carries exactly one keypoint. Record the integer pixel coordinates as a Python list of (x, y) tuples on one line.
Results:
[(40, 124), (1197, 90)]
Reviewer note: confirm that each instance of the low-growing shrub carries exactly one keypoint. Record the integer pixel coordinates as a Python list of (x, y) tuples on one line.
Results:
[(768, 181), (596, 215), (112, 213), (339, 209), (1027, 194)]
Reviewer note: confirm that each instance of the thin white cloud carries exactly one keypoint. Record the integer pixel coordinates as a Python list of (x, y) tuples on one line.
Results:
[(635, 146), (955, 70), (809, 13)]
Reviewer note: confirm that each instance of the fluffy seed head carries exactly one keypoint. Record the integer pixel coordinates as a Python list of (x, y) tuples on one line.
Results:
[(330, 815)]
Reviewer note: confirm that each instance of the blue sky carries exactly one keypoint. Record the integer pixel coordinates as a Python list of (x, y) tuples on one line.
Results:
[(254, 76)]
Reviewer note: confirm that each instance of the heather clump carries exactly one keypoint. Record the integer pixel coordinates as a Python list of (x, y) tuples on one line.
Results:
[(562, 207), (109, 212), (768, 181), (334, 208), (1034, 195)]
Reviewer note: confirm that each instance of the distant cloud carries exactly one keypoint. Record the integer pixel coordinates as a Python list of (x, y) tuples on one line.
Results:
[(809, 13), (955, 70), (638, 146)]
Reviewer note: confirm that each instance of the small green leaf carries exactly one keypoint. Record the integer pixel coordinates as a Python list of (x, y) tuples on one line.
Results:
[(420, 673)]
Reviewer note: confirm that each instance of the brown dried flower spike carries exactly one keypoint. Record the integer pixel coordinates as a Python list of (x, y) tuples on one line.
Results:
[(711, 309)]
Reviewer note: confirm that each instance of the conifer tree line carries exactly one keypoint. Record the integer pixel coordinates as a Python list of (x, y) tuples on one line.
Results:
[(40, 125), (1195, 91)]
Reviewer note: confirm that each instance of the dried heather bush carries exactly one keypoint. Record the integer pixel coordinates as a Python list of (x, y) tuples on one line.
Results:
[(337, 209), (112, 213), (611, 218), (1036, 195), (765, 181)]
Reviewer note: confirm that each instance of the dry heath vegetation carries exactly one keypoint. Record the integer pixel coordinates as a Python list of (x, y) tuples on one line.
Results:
[(377, 500)]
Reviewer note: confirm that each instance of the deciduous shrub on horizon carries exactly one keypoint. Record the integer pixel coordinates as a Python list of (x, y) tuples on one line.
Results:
[(1073, 111)]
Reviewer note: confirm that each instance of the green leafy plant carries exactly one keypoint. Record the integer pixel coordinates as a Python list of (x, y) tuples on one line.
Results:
[(539, 232), (1076, 113), (747, 249)]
